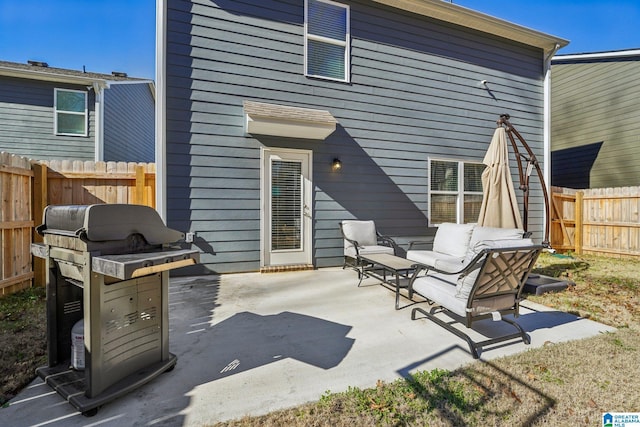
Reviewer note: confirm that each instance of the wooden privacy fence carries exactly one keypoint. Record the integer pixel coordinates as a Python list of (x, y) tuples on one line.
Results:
[(27, 187), (598, 221), (16, 223)]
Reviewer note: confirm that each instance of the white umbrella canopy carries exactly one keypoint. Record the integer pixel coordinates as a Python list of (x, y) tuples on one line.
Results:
[(499, 205)]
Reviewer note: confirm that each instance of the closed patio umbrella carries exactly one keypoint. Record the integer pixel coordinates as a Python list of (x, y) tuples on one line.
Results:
[(499, 205)]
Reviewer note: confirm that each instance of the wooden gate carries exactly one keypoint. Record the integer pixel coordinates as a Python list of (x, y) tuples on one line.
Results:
[(16, 223)]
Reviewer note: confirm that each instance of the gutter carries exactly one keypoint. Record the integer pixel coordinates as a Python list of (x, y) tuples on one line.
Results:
[(546, 122), (464, 17), (618, 54)]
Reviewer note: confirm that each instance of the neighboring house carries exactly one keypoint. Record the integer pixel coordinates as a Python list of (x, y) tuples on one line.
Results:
[(54, 113), (595, 111), (259, 99)]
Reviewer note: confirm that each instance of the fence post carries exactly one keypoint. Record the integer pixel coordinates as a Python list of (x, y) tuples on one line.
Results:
[(40, 201), (577, 236)]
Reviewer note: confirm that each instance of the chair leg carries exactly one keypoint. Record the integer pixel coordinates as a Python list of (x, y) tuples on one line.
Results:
[(474, 347)]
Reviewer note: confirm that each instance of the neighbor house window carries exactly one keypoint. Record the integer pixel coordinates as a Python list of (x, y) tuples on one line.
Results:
[(455, 191), (326, 40), (70, 110)]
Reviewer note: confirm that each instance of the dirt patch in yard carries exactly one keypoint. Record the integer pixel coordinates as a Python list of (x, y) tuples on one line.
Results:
[(22, 339)]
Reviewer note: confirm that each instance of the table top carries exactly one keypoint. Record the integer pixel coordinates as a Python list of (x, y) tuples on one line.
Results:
[(389, 261)]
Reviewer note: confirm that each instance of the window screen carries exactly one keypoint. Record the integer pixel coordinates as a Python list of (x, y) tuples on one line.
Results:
[(327, 40), (70, 112), (455, 192)]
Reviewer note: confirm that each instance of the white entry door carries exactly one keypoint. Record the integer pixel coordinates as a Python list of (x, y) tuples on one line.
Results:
[(286, 207)]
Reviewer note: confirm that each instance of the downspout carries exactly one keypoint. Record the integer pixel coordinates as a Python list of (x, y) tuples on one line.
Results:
[(547, 122), (160, 131), (98, 90)]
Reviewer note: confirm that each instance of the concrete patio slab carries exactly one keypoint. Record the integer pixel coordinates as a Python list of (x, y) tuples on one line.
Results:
[(248, 344)]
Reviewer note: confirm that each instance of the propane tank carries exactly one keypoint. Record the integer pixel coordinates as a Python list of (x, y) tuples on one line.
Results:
[(77, 345)]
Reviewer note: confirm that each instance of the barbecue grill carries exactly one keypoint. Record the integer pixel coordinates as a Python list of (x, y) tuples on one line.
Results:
[(108, 264)]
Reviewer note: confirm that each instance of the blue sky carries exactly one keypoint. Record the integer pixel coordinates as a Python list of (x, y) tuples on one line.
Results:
[(119, 35), (102, 35)]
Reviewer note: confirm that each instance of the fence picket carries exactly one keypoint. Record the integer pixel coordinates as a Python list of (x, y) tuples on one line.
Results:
[(610, 222), (54, 182)]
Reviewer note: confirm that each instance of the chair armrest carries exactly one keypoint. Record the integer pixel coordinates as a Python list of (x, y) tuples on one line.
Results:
[(465, 269), (387, 241), (413, 243)]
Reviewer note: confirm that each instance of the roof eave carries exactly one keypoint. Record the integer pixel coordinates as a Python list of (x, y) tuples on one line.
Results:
[(595, 56), (51, 77), (458, 15)]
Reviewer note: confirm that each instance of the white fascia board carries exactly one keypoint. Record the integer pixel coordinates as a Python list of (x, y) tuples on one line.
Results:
[(598, 55), (458, 15), (50, 77)]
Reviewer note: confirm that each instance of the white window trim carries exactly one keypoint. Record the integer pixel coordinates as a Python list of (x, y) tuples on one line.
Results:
[(459, 193), (344, 43), (85, 113)]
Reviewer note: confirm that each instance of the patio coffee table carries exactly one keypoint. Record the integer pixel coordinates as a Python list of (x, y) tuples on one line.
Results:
[(389, 269)]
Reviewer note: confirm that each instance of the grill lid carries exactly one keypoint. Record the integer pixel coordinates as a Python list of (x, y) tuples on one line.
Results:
[(107, 222)]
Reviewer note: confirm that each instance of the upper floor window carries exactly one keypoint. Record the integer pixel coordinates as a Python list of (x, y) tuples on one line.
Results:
[(455, 191), (70, 112), (326, 40)]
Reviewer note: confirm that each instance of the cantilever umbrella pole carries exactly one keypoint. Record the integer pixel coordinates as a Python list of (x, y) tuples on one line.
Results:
[(532, 162)]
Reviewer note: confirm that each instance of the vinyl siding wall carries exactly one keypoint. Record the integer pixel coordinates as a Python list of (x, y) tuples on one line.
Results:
[(129, 123), (599, 102), (415, 93), (27, 122)]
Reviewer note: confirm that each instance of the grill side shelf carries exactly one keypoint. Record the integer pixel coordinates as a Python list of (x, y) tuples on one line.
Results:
[(128, 266)]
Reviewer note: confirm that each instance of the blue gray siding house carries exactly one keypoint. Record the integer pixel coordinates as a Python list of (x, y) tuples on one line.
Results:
[(258, 99), (595, 126), (54, 113)]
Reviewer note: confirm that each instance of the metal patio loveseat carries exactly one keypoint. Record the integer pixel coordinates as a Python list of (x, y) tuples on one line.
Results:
[(487, 286)]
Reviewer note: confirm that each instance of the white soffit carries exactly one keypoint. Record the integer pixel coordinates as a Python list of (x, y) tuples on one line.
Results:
[(289, 122), (464, 17)]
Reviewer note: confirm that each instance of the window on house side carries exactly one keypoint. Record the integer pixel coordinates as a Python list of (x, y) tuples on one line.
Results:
[(326, 40), (455, 191), (70, 112)]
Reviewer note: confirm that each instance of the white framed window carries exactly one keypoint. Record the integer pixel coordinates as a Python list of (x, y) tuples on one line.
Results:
[(455, 191), (326, 40), (70, 112)]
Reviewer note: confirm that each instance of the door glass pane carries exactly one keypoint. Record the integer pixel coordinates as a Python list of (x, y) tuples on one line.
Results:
[(286, 202)]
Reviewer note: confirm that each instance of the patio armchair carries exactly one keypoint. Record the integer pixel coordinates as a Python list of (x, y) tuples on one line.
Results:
[(362, 238), (487, 286)]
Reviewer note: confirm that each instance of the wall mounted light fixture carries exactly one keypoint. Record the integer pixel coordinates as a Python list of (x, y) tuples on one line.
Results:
[(336, 165)]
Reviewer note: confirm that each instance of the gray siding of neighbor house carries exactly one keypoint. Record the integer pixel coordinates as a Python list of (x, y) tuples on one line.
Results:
[(415, 93), (129, 123), (599, 102), (27, 122)]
